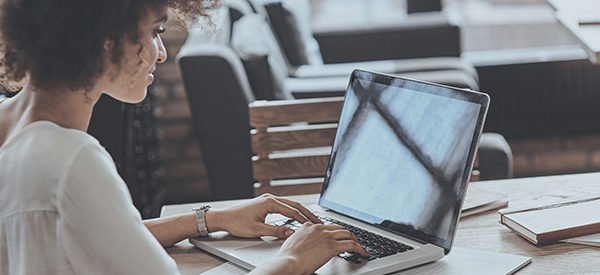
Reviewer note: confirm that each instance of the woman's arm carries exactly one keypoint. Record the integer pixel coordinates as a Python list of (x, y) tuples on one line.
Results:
[(244, 220), (171, 230)]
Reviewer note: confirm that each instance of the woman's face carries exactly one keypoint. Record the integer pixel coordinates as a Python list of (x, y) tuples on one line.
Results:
[(130, 82)]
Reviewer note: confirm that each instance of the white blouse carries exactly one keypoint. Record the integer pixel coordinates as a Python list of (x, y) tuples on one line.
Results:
[(64, 209)]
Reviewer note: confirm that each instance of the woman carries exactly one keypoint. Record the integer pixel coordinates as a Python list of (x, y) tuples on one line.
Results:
[(63, 207)]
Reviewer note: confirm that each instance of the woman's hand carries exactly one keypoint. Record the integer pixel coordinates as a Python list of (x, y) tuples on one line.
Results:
[(248, 219), (309, 248)]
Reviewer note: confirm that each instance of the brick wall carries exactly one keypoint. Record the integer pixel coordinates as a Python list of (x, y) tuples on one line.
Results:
[(552, 156), (185, 175)]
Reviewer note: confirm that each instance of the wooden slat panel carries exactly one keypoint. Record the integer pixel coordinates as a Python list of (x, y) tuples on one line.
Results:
[(283, 112), (475, 174), (311, 188), (299, 167), (301, 137)]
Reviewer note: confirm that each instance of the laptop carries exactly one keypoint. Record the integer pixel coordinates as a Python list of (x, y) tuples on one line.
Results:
[(398, 174)]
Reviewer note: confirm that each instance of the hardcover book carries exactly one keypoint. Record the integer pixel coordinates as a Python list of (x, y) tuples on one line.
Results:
[(554, 222)]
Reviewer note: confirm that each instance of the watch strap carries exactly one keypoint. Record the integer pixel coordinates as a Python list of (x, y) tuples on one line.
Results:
[(201, 219)]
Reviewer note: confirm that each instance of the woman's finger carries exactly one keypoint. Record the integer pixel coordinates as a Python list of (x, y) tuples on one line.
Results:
[(332, 227), (276, 206), (307, 213), (351, 246), (275, 231), (342, 234)]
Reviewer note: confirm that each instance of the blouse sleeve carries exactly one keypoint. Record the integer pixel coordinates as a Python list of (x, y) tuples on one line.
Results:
[(99, 229)]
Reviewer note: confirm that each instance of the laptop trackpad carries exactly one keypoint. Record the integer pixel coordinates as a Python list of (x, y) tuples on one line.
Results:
[(256, 254)]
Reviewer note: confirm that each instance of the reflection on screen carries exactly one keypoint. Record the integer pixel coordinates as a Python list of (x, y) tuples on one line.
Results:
[(399, 157)]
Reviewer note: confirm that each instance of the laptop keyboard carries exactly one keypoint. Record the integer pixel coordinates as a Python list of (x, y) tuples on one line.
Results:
[(377, 245)]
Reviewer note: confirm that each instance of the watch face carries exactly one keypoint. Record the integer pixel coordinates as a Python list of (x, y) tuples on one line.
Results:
[(204, 207)]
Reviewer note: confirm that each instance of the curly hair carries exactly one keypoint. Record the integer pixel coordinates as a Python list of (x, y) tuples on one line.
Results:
[(61, 42)]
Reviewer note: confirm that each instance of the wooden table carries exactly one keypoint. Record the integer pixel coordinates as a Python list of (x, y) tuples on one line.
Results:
[(480, 231), (574, 14)]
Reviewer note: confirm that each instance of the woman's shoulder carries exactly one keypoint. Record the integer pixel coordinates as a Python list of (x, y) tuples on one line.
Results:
[(49, 133), (46, 142)]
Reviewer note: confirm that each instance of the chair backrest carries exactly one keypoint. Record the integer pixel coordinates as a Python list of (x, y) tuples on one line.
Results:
[(292, 140), (292, 27), (218, 94)]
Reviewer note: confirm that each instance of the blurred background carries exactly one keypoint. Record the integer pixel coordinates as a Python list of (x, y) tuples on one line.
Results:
[(485, 25), (544, 91)]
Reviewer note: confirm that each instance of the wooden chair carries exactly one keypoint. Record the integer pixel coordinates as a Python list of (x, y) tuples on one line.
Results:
[(292, 141)]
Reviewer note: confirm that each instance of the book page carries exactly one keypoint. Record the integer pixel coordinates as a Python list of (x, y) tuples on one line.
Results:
[(478, 197), (226, 269), (465, 261), (593, 240)]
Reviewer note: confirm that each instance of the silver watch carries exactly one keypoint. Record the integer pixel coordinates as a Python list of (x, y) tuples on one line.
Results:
[(201, 219)]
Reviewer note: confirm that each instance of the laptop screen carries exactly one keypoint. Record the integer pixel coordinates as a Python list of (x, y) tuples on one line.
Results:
[(402, 155)]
